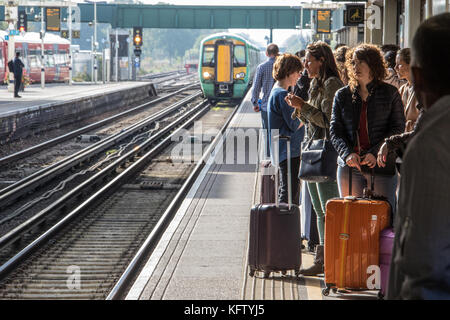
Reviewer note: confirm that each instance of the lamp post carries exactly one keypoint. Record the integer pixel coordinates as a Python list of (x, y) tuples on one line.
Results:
[(11, 17), (92, 61), (42, 48), (117, 55), (95, 42), (70, 42)]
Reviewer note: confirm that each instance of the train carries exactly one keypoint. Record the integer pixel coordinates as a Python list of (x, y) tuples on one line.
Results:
[(56, 50), (227, 64)]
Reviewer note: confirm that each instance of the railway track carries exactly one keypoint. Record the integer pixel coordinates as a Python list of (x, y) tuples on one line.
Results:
[(4, 161), (37, 195), (85, 253)]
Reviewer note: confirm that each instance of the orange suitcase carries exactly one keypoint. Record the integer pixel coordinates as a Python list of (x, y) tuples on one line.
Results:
[(352, 232)]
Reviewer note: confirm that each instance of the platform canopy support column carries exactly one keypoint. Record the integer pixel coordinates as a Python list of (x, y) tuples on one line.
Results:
[(412, 15), (390, 22)]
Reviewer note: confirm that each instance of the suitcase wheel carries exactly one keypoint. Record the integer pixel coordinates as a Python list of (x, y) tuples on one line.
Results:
[(283, 272), (252, 272), (326, 292), (266, 274)]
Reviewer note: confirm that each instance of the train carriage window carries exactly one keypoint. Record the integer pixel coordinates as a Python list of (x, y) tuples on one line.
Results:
[(239, 56), (59, 59), (50, 61), (208, 56), (64, 56), (34, 62)]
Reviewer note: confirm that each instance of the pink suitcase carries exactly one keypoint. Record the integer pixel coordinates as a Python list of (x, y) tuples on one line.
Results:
[(386, 245)]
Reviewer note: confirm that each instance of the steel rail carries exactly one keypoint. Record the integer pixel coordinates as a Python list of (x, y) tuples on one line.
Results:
[(123, 177), (160, 75), (16, 190), (32, 150)]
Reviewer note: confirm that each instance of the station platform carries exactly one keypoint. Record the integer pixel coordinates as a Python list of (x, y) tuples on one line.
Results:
[(60, 104), (34, 97), (203, 253)]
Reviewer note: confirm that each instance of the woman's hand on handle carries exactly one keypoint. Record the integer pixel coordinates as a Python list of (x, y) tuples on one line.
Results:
[(369, 160), (354, 161)]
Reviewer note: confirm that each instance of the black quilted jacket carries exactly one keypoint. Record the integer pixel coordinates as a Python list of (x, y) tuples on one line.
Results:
[(385, 117)]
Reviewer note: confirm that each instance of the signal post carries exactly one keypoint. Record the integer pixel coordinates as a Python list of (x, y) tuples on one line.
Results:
[(11, 9), (137, 41)]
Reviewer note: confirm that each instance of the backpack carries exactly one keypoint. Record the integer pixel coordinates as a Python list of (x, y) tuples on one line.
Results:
[(11, 66)]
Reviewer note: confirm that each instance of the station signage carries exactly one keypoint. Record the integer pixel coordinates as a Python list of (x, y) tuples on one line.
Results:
[(76, 34), (53, 19), (323, 21), (354, 15), (65, 34)]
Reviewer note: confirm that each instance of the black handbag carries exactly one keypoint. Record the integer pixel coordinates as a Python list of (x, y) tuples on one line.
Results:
[(318, 161)]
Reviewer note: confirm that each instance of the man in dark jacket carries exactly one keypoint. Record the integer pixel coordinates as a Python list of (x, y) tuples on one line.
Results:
[(18, 67), (420, 267)]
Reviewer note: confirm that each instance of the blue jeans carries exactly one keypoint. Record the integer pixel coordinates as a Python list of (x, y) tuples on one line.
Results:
[(383, 186)]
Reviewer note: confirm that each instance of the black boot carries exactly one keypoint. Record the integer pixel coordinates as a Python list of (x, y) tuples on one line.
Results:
[(317, 267)]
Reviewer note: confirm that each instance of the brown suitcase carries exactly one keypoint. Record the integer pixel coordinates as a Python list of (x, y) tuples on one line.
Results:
[(352, 233), (274, 243)]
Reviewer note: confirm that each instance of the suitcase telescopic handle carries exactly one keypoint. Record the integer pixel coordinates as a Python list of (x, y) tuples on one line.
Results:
[(350, 180), (288, 147)]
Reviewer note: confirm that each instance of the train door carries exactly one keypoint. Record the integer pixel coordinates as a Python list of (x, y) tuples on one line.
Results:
[(34, 60), (3, 61), (49, 64), (63, 62), (24, 57), (224, 68), (57, 63)]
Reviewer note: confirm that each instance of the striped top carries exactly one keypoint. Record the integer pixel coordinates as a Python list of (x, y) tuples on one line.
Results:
[(263, 80)]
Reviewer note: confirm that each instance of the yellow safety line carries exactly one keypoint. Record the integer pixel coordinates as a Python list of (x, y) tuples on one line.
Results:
[(312, 284), (313, 288)]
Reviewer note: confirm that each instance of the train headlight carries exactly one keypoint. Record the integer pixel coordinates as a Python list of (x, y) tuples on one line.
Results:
[(207, 75), (240, 75)]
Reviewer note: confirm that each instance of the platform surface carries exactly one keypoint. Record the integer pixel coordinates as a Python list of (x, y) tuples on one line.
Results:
[(203, 253), (34, 97)]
